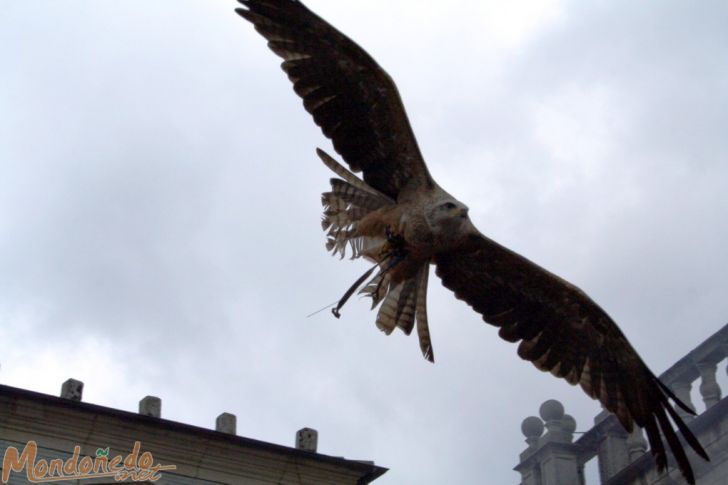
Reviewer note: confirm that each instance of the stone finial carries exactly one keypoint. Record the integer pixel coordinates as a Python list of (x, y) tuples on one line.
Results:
[(72, 389), (551, 410), (532, 429), (307, 439), (226, 423), (551, 458), (151, 406), (568, 425), (559, 426)]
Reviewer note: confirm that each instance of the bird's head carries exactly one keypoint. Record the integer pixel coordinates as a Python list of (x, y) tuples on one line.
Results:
[(446, 215)]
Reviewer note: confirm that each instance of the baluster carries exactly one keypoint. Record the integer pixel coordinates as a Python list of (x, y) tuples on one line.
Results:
[(636, 444), (709, 388)]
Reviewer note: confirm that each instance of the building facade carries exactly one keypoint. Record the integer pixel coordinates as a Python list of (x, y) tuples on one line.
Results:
[(43, 437)]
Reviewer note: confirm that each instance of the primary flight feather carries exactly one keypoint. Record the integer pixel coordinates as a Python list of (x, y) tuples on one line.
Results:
[(402, 220)]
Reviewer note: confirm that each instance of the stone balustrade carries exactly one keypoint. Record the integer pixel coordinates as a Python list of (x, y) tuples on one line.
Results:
[(554, 458)]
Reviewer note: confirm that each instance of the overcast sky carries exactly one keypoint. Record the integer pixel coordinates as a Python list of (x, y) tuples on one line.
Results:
[(159, 211)]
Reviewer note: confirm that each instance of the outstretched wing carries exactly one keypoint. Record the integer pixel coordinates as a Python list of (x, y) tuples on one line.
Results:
[(564, 332), (351, 98)]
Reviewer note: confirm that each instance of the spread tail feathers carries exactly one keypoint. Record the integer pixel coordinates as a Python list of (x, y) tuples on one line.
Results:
[(404, 304)]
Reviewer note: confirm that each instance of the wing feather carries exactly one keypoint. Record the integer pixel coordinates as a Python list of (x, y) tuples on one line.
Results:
[(352, 99), (564, 332)]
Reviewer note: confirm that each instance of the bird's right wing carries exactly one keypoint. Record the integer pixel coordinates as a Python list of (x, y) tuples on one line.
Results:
[(351, 98), (563, 331)]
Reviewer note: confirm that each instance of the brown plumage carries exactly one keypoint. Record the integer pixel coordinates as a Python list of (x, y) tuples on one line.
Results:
[(400, 219)]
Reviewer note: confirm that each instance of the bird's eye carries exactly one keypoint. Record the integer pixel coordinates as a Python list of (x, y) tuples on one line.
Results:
[(448, 206)]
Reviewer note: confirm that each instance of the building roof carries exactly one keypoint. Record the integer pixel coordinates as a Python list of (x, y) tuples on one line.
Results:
[(19, 406)]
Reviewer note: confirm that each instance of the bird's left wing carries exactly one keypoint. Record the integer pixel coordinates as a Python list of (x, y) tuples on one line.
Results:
[(564, 332), (351, 98)]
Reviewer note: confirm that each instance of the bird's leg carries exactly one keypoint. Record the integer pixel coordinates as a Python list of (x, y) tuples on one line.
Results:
[(393, 252), (395, 246), (351, 291)]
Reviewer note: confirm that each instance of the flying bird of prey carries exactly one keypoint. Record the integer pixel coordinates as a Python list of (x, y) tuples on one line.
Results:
[(398, 217)]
